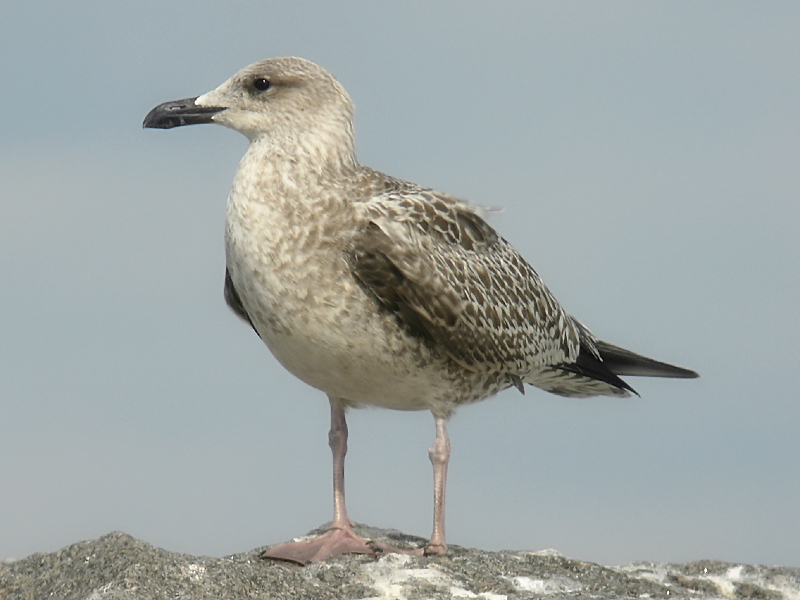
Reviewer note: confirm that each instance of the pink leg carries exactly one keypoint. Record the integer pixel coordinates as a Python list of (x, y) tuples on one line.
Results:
[(439, 453), (340, 538)]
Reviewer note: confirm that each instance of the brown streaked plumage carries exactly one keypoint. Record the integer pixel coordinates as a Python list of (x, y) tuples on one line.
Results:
[(375, 290)]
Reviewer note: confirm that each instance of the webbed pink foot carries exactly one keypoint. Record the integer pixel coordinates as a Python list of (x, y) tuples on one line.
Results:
[(329, 544)]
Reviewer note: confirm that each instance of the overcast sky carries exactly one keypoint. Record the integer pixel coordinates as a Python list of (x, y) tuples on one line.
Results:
[(647, 155)]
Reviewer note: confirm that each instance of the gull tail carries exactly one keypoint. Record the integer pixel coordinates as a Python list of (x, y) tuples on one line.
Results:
[(624, 362), (599, 365)]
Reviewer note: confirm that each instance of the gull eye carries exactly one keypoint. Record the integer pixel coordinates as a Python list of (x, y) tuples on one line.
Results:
[(261, 84)]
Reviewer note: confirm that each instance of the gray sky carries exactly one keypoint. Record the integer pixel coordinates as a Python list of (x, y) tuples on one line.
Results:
[(647, 158)]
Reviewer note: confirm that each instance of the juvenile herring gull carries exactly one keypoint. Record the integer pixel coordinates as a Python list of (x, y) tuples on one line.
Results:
[(375, 290)]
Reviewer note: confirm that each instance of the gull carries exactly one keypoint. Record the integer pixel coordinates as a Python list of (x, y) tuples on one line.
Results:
[(377, 291)]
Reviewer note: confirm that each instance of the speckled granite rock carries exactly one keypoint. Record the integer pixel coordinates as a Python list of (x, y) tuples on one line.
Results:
[(119, 567)]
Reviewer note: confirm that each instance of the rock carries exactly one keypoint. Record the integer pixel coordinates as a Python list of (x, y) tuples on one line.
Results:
[(119, 567)]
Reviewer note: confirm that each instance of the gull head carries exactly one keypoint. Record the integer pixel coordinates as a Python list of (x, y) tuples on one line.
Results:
[(284, 100)]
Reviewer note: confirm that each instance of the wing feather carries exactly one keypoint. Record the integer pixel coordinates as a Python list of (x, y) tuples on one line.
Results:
[(234, 301), (450, 278)]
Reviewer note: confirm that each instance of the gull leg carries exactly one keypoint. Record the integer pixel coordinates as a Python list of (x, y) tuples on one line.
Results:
[(439, 453), (340, 538)]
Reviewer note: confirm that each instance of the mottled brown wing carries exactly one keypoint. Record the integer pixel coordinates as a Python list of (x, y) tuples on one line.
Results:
[(450, 278)]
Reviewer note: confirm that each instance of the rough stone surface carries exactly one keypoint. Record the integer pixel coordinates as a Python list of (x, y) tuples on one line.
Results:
[(119, 567)]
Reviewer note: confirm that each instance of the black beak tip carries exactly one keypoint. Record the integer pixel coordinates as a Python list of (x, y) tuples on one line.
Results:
[(156, 120), (177, 113)]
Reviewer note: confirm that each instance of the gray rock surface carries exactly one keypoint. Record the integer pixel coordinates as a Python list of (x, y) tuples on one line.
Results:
[(119, 567)]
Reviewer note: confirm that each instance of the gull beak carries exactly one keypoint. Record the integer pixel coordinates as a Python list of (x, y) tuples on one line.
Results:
[(178, 113)]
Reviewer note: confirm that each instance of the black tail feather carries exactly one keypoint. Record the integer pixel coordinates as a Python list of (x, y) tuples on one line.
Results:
[(590, 366), (615, 361), (624, 362)]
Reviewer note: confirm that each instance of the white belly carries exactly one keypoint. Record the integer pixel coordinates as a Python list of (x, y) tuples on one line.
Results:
[(325, 330), (353, 370)]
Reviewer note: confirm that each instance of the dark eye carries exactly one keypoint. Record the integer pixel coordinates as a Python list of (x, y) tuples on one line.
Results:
[(261, 83)]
